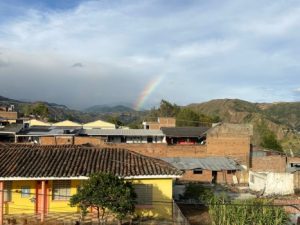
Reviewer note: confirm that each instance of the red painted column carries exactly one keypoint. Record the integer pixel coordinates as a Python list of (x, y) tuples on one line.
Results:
[(43, 202), (1, 201)]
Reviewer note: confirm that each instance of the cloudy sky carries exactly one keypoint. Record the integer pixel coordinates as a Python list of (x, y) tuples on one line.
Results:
[(83, 53)]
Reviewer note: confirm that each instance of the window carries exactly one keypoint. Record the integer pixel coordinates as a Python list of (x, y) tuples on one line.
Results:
[(61, 190), (230, 171), (7, 191), (25, 192), (197, 171), (144, 193)]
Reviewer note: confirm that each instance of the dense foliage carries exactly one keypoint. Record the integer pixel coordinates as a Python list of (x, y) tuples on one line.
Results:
[(39, 110), (105, 192), (246, 212), (268, 138)]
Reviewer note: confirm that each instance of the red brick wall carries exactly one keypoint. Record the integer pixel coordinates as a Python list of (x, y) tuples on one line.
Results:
[(88, 140), (206, 176), (58, 140), (235, 147), (163, 150), (9, 115), (272, 163)]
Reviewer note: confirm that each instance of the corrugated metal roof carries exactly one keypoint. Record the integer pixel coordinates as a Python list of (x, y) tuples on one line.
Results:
[(184, 131), (207, 163), (11, 128), (121, 132)]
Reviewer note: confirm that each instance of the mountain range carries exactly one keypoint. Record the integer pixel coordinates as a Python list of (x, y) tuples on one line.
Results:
[(282, 118)]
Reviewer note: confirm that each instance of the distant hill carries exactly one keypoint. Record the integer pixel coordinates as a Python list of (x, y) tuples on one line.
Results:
[(57, 112), (109, 109), (282, 118)]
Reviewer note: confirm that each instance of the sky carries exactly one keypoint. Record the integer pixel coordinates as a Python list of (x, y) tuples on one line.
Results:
[(135, 52)]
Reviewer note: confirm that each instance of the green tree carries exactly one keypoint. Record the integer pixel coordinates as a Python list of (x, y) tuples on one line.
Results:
[(268, 138), (115, 120), (104, 191), (187, 117), (166, 109)]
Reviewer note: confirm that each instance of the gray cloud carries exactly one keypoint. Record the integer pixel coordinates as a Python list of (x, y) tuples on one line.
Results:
[(77, 65), (239, 49)]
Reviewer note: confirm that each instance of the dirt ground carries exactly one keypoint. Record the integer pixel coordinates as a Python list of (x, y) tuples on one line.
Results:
[(196, 215)]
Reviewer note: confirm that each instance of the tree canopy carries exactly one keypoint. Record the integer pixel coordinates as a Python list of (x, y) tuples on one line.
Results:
[(105, 192)]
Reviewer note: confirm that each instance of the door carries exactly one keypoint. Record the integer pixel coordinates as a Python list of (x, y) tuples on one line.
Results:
[(214, 177), (39, 195)]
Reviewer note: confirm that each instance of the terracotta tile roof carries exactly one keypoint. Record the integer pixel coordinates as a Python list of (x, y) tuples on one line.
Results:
[(30, 161)]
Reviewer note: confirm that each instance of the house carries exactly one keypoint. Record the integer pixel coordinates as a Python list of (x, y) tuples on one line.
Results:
[(99, 124), (161, 122), (67, 123), (46, 135), (207, 169), (8, 133), (40, 179), (129, 136), (38, 123), (8, 115), (185, 135)]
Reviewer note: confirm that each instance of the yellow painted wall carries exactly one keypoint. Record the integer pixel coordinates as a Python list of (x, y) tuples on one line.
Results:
[(21, 204), (162, 199), (161, 208), (63, 205)]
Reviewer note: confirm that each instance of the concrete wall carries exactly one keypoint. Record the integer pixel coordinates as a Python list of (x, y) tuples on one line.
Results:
[(272, 183)]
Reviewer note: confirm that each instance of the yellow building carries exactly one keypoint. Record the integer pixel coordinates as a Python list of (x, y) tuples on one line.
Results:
[(38, 123), (66, 123), (39, 180), (99, 124)]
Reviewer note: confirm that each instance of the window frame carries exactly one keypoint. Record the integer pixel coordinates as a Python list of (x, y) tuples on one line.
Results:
[(61, 190)]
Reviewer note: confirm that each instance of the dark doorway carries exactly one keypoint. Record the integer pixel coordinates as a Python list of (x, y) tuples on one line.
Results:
[(214, 176)]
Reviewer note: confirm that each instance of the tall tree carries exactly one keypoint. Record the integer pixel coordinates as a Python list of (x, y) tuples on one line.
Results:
[(187, 117)]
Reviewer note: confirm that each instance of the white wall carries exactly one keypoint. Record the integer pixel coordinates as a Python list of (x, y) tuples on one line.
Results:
[(272, 183)]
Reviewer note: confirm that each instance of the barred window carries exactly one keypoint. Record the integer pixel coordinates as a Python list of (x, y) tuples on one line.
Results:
[(7, 191), (144, 193), (61, 190)]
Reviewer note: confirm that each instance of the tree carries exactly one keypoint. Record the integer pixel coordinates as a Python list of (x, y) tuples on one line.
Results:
[(104, 191), (268, 138), (166, 109), (115, 120), (187, 117)]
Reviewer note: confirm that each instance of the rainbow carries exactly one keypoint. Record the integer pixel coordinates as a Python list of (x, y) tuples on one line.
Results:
[(149, 88)]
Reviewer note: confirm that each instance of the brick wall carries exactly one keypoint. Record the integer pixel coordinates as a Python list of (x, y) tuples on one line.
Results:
[(9, 115), (163, 150), (237, 148), (88, 140), (206, 176), (57, 140), (272, 163)]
